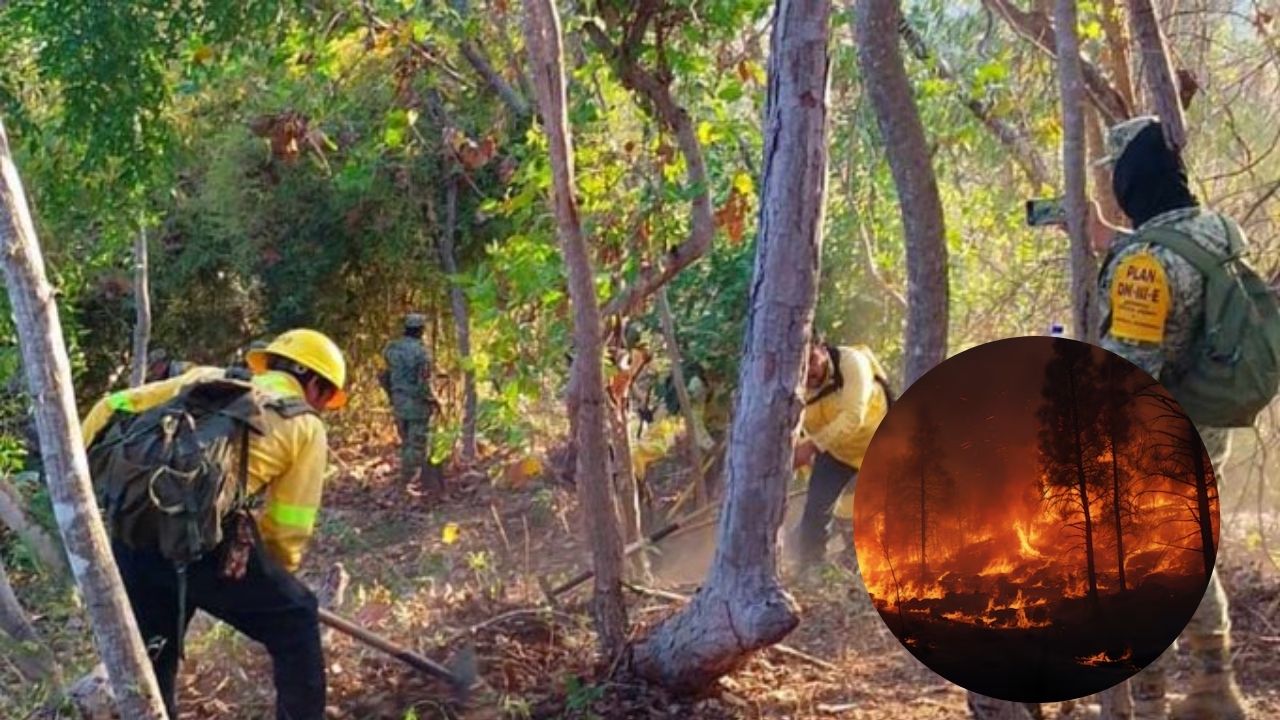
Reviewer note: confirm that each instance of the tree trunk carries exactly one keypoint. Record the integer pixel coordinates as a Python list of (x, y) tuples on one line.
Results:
[(142, 304), (31, 656), (1071, 87), (905, 143), (461, 320), (44, 356), (924, 563), (627, 489), (692, 451), (1082, 483), (1116, 54), (1158, 71), (1203, 478), (742, 606), (1115, 506), (1101, 173), (586, 398), (46, 549)]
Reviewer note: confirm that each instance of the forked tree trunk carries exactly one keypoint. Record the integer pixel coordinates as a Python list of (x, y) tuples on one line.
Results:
[(1071, 88), (586, 398), (742, 606), (1162, 85), (44, 356), (461, 320), (921, 207), (142, 305)]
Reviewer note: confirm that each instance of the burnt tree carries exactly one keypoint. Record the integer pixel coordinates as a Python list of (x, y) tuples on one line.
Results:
[(1068, 442)]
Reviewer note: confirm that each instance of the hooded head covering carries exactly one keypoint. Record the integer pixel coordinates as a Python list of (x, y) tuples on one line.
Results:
[(1148, 178)]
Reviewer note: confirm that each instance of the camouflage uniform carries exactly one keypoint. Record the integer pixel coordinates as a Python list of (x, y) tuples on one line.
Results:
[(1212, 692), (409, 373)]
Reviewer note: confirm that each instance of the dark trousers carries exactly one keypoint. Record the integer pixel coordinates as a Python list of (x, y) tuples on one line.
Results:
[(826, 483), (268, 604)]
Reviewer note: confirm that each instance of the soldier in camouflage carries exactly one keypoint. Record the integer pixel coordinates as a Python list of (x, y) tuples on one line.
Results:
[(408, 385), (160, 367), (1150, 184)]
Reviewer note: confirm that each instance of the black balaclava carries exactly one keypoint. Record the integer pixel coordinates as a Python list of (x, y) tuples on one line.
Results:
[(1150, 179)]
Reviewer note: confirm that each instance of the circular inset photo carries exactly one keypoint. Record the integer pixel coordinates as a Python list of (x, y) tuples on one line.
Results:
[(1036, 519)]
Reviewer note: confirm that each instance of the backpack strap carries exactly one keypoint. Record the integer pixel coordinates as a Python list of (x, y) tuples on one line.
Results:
[(291, 407), (888, 391)]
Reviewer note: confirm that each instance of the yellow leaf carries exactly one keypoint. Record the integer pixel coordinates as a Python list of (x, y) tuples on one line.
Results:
[(450, 534), (743, 182), (705, 133), (202, 54)]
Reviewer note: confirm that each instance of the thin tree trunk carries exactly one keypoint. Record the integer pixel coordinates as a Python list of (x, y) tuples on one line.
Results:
[(1101, 173), (1071, 87), (742, 606), (1203, 479), (1082, 482), (692, 451), (142, 305), (25, 648), (45, 547), (44, 356), (924, 564), (1115, 506), (513, 100), (1162, 84), (586, 397), (627, 488), (908, 150), (1116, 52), (461, 320)]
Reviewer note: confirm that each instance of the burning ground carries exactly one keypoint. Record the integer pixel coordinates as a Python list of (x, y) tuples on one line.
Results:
[(1035, 521)]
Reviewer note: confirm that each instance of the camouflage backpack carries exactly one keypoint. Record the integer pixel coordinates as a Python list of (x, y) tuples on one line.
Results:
[(1235, 369), (168, 478)]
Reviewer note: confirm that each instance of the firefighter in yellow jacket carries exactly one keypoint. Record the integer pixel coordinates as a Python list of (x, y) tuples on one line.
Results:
[(847, 395), (286, 467)]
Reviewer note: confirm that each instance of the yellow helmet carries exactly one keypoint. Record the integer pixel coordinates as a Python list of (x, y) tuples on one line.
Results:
[(312, 350)]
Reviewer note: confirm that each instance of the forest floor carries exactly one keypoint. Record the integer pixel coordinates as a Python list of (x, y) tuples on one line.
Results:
[(436, 575)]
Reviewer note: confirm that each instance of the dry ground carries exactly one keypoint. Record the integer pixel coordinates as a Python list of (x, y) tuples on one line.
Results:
[(417, 581)]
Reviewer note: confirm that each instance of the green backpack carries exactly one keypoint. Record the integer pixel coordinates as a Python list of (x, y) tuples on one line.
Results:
[(1235, 369), (168, 478)]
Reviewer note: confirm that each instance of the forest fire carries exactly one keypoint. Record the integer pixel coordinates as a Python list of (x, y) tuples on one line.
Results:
[(1070, 536), (1104, 658)]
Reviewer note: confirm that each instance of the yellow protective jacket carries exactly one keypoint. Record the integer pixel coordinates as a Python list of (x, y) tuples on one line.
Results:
[(841, 416), (287, 461)]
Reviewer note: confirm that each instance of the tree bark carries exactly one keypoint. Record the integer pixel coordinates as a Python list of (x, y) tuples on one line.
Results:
[(1101, 173), (1035, 26), (1116, 52), (46, 549), (586, 398), (693, 452), (48, 370), (29, 653), (1071, 88), (142, 306), (655, 88), (887, 85), (1162, 84), (1013, 136), (742, 606), (461, 320), (1082, 480)]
